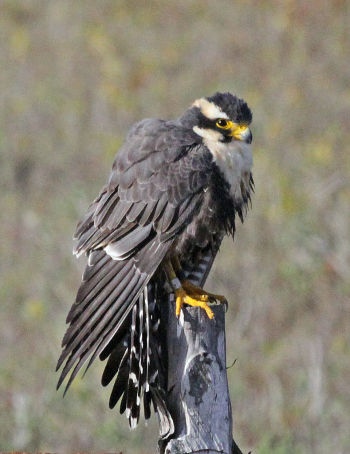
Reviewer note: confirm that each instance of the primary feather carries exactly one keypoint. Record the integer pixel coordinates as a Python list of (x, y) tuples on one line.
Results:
[(175, 188)]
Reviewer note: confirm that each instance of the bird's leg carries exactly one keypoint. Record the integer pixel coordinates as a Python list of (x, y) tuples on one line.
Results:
[(176, 265), (185, 292), (182, 297), (193, 289)]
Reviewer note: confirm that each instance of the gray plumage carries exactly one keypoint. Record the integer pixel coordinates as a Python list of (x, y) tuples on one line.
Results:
[(168, 193)]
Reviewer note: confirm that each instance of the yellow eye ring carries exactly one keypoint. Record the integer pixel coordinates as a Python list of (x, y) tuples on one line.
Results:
[(223, 124)]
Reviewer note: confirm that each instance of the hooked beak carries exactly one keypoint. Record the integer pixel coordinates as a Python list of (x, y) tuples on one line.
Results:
[(242, 133)]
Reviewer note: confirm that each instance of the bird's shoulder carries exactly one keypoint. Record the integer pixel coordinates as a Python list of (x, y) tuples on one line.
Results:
[(160, 171), (151, 144)]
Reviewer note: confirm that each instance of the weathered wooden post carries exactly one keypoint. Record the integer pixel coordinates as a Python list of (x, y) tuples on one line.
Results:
[(197, 395)]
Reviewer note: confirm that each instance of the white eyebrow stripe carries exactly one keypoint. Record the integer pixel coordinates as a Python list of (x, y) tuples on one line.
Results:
[(208, 134), (209, 109)]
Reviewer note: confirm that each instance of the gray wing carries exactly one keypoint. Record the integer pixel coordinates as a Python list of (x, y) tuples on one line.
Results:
[(156, 175), (154, 190)]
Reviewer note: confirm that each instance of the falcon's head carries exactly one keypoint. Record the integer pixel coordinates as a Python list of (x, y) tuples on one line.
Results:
[(221, 118)]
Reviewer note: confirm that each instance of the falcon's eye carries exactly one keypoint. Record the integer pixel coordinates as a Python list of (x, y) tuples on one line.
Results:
[(224, 124)]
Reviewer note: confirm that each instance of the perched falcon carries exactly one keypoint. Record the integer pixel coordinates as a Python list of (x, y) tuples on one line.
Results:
[(156, 226)]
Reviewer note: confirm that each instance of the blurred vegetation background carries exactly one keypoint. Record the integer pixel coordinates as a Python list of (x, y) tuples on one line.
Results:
[(74, 77)]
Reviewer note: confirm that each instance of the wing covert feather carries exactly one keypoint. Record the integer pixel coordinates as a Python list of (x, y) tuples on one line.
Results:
[(156, 185)]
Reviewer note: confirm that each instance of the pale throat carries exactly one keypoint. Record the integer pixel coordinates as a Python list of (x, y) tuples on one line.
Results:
[(234, 159)]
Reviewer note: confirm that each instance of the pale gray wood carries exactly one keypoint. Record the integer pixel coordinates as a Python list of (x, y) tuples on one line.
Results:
[(198, 397)]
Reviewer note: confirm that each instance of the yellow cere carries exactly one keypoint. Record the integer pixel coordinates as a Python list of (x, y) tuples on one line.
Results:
[(238, 131)]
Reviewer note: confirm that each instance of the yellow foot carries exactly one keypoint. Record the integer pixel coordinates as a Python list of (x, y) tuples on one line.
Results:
[(192, 290), (197, 301)]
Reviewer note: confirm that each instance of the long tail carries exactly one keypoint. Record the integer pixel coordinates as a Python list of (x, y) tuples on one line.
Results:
[(136, 364), (115, 316)]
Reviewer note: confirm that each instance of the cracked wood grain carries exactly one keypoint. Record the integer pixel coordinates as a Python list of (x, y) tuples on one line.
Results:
[(197, 395)]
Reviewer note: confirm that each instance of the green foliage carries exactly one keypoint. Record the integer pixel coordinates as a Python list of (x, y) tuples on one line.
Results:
[(74, 77)]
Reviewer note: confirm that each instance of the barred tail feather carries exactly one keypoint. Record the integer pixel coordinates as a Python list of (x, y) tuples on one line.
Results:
[(136, 364)]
